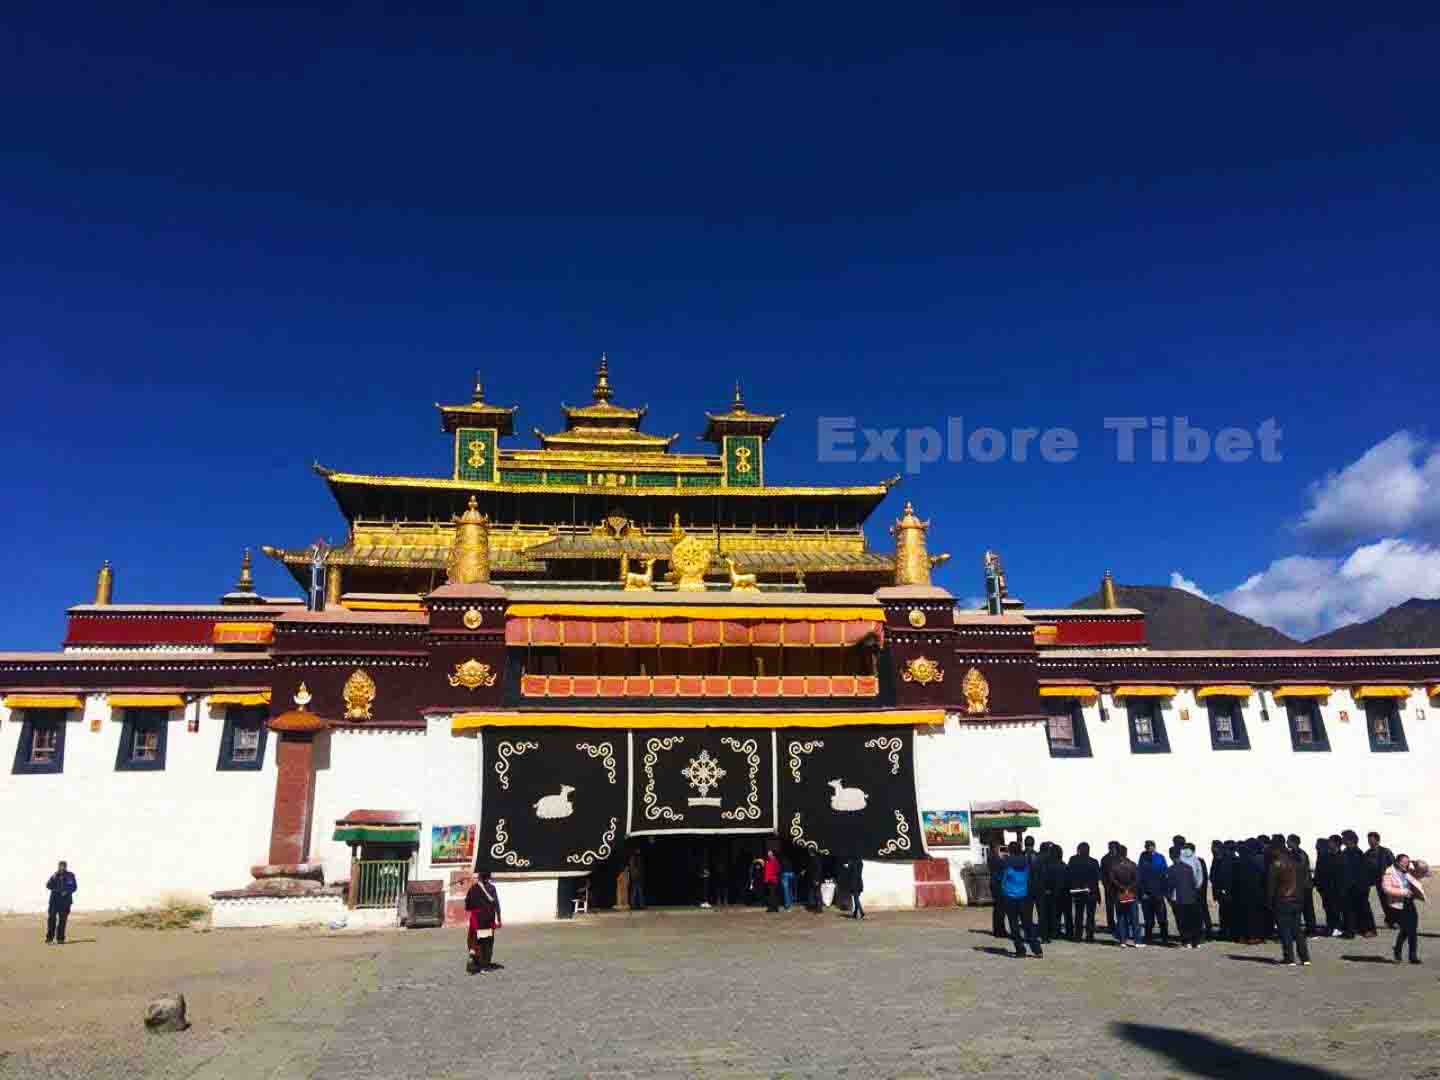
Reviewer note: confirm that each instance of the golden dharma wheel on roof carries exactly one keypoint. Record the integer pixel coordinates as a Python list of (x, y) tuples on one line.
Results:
[(690, 560)]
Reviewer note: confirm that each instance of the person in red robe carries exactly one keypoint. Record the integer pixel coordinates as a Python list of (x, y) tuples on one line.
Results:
[(482, 903)]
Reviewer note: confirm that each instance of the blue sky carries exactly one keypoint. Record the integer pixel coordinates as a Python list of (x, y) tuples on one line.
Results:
[(236, 240)]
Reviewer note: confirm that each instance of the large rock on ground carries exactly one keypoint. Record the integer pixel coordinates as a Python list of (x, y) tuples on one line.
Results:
[(166, 1013)]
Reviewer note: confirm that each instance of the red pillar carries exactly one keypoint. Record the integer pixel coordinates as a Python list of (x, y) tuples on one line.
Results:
[(294, 799)]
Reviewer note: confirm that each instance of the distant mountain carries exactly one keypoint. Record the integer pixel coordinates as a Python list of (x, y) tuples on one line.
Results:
[(1415, 624), (1176, 619)]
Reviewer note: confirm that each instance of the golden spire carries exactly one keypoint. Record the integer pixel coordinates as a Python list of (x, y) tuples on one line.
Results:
[(246, 584), (1107, 592), (602, 380), (104, 583), (912, 560), (469, 560), (479, 395), (739, 405)]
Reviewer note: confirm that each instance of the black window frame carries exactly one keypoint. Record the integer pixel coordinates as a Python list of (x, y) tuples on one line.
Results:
[(1161, 745), (1398, 743), (236, 716), (1321, 745), (131, 720), (1241, 731), (1076, 709), (30, 720)]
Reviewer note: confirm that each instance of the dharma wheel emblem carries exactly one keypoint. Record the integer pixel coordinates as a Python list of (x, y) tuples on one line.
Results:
[(472, 674), (359, 695), (977, 692), (923, 670), (472, 618)]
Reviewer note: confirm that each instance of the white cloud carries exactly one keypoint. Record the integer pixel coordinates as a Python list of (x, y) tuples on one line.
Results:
[(1180, 581), (973, 603), (1393, 487), (1305, 596)]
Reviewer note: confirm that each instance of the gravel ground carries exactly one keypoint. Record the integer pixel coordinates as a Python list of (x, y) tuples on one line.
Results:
[(705, 994)]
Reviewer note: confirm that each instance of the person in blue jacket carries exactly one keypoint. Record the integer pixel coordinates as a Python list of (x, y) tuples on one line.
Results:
[(62, 888), (1018, 884), (1154, 883)]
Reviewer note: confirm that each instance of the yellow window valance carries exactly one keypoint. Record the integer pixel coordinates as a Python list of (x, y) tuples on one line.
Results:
[(1069, 691), (1302, 691), (474, 721), (43, 701), (1144, 691), (766, 612), (1224, 690), (1435, 690), (146, 701), (258, 697), (1382, 691)]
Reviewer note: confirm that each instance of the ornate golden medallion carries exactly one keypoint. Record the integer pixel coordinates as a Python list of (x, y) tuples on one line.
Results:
[(359, 694), (472, 674), (690, 559), (916, 617), (977, 692), (472, 618), (923, 670), (302, 696)]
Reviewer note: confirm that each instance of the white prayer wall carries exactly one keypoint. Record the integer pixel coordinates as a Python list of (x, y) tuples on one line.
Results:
[(1202, 793), (133, 839)]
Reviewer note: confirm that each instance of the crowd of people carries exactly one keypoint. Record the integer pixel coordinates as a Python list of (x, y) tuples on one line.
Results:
[(1261, 887)]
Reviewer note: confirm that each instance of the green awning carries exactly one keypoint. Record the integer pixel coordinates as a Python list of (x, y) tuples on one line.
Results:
[(1006, 821), (377, 834)]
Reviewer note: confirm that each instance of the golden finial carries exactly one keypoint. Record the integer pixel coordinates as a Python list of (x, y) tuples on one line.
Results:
[(602, 380), (912, 560), (479, 394), (739, 405), (302, 697), (1107, 592), (469, 560), (246, 582), (676, 532), (104, 583)]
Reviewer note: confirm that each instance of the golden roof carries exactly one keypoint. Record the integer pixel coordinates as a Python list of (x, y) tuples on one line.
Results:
[(479, 413), (739, 421)]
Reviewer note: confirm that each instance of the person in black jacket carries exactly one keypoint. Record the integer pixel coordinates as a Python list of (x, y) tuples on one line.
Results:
[(1379, 859), (995, 863), (1082, 881), (62, 886), (1222, 877), (1050, 892), (815, 877), (1107, 861), (1307, 901), (1356, 880), (1324, 881)]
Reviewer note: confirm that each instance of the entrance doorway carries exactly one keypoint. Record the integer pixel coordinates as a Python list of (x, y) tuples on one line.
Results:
[(688, 871)]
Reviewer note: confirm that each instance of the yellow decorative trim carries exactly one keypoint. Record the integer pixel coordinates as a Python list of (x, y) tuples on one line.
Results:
[(1303, 691), (382, 605), (43, 701), (1381, 692), (1435, 690), (474, 721), (146, 701), (1069, 691), (243, 633), (1225, 690), (581, 489), (679, 611), (1145, 691), (259, 697)]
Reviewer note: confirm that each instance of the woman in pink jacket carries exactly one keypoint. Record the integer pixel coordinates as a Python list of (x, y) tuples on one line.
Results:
[(1398, 892)]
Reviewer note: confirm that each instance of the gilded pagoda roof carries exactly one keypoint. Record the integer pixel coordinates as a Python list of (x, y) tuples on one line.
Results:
[(739, 421), (478, 413)]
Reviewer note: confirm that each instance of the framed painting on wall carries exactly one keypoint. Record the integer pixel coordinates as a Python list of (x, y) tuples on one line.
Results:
[(452, 845), (946, 828)]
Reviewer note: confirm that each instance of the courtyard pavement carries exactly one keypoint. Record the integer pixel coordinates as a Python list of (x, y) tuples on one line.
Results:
[(706, 994)]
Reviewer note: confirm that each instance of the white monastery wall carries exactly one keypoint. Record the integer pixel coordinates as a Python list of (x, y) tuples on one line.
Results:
[(132, 838), (1203, 793), (429, 772)]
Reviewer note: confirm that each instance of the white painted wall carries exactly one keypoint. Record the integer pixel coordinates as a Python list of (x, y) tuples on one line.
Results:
[(429, 772), (131, 838), (1195, 790)]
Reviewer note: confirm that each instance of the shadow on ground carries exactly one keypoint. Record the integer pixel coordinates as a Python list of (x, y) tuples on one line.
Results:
[(1202, 1055)]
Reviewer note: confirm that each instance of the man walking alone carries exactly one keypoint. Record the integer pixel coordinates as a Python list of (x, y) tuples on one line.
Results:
[(1286, 881), (62, 888)]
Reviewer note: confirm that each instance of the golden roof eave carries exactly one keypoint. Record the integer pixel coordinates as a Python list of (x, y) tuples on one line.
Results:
[(447, 484)]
